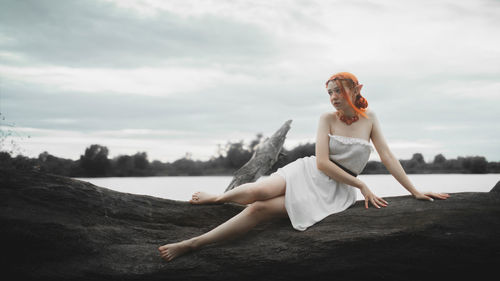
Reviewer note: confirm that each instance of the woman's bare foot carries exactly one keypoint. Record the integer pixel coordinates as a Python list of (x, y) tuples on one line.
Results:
[(201, 197), (170, 251)]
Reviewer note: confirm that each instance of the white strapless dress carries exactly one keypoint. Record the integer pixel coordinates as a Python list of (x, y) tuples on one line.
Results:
[(310, 194)]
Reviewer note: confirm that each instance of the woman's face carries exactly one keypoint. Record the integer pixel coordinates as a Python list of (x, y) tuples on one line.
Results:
[(336, 98)]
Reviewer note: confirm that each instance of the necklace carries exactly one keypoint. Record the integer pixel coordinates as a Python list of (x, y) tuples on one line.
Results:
[(347, 120)]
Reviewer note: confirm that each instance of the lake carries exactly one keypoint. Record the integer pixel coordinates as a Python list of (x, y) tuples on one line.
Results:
[(181, 188)]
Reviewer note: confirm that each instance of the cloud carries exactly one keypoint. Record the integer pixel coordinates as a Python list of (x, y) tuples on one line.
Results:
[(139, 81), (446, 127), (59, 120), (98, 34), (468, 89)]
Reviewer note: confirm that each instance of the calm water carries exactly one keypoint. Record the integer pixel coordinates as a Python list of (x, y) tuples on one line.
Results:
[(181, 188)]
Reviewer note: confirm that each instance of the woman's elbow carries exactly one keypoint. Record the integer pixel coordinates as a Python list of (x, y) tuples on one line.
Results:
[(387, 157), (320, 164)]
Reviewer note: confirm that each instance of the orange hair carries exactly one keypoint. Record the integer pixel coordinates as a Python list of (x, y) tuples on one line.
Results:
[(360, 104)]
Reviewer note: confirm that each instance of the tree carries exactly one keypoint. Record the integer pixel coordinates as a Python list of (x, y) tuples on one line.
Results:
[(141, 161), (185, 166), (95, 161), (416, 161), (439, 159), (255, 142), (51, 164), (5, 159), (237, 156), (123, 165), (418, 157), (478, 165), (9, 133)]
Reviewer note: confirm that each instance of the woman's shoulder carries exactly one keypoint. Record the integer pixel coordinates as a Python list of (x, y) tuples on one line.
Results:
[(329, 116), (370, 113)]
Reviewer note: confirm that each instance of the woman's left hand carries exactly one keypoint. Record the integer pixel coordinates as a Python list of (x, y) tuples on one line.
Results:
[(430, 195), (370, 197)]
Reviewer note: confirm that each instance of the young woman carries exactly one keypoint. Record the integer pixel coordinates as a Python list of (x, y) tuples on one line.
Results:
[(314, 187)]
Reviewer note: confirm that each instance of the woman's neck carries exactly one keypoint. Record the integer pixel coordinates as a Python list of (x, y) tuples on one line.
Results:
[(348, 112)]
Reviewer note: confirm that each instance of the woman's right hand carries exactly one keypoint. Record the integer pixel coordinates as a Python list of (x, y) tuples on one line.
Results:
[(428, 195), (370, 197)]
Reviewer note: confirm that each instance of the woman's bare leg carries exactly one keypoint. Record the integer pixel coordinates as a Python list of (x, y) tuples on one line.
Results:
[(234, 227), (244, 194)]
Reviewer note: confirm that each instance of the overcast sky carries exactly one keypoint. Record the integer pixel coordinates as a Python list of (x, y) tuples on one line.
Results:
[(170, 77)]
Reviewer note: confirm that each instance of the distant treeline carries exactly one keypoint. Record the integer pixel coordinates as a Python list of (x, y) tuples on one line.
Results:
[(95, 163)]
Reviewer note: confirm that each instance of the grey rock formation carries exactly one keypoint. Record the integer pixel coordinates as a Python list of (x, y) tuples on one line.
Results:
[(263, 158), (55, 228)]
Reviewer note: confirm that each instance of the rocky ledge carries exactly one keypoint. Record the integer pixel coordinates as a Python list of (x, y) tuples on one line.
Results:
[(58, 228)]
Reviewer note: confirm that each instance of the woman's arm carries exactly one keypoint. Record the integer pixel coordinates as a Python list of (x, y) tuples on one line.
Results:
[(324, 164), (392, 163)]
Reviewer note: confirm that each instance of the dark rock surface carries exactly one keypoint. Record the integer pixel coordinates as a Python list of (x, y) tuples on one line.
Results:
[(57, 228), (496, 188)]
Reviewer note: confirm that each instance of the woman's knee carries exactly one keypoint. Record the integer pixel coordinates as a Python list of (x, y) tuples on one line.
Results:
[(268, 208), (257, 207)]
